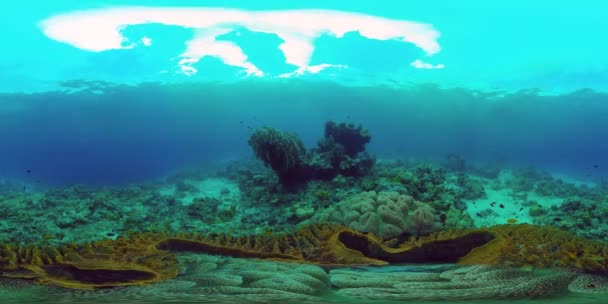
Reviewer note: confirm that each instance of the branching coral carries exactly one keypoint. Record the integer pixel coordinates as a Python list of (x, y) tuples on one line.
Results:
[(340, 152), (352, 138)]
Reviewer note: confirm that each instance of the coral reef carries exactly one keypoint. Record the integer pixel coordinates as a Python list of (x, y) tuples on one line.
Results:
[(281, 151), (459, 284), (543, 183), (469, 188), (539, 246), (340, 152), (154, 239), (455, 163), (204, 278), (589, 283), (80, 214), (456, 219), (352, 138), (108, 263), (385, 214), (584, 217), (250, 276), (221, 279), (147, 258)]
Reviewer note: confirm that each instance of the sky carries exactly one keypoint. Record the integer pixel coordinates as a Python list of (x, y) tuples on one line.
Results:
[(557, 46)]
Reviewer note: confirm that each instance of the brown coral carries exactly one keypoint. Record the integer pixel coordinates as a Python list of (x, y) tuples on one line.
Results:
[(387, 214), (540, 246), (318, 244), (146, 258), (103, 264)]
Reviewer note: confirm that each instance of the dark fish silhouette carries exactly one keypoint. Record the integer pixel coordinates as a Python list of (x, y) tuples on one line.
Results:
[(501, 206), (28, 171)]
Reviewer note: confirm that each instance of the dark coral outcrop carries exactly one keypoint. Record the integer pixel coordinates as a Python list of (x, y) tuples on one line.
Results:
[(340, 152), (281, 151)]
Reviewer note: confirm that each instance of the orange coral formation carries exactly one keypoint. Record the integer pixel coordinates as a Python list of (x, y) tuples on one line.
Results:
[(146, 258), (133, 261), (319, 244), (540, 246)]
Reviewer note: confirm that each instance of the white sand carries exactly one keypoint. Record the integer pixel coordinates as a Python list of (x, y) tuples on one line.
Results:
[(513, 208), (210, 187)]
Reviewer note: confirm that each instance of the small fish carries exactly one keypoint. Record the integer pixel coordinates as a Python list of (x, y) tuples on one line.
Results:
[(478, 214), (28, 171), (501, 206), (596, 166), (522, 208), (512, 221), (557, 219), (492, 204)]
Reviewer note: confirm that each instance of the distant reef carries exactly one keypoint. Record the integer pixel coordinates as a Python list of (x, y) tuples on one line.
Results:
[(340, 152)]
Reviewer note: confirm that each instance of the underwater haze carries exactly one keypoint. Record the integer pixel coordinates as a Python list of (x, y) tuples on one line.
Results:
[(303, 151)]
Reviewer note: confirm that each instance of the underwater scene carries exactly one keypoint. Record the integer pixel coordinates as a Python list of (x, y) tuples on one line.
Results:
[(303, 152)]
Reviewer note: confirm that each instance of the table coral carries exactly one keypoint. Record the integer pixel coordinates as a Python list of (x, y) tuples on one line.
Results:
[(352, 138)]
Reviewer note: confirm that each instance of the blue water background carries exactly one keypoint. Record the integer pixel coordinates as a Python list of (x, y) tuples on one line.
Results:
[(123, 134)]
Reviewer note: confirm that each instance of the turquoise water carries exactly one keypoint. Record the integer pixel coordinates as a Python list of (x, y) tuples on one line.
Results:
[(130, 123)]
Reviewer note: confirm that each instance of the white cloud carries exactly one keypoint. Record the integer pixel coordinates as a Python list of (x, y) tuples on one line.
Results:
[(312, 69), (99, 30), (205, 44), (146, 41), (419, 64)]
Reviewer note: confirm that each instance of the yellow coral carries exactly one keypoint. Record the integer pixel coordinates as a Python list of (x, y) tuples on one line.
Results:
[(146, 258)]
